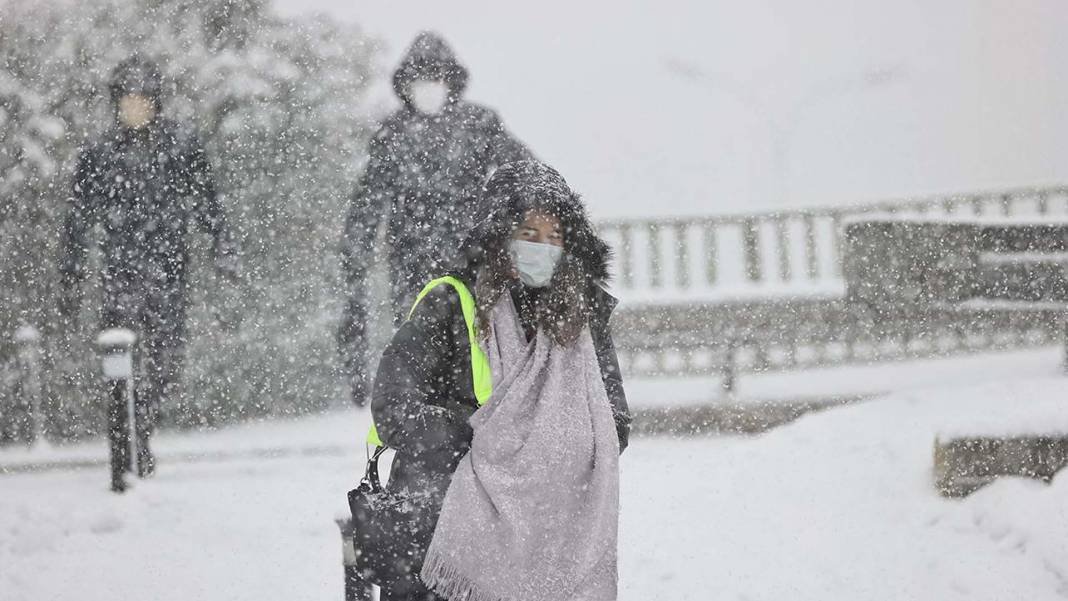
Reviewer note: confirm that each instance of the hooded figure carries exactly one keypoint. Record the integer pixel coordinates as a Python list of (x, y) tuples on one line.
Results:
[(423, 396), (427, 163), (146, 181)]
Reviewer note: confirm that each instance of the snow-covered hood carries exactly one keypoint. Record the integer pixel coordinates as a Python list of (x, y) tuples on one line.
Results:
[(429, 57), (518, 187)]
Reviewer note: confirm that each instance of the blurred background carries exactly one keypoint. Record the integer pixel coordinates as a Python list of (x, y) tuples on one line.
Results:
[(650, 109), (714, 107), (841, 245)]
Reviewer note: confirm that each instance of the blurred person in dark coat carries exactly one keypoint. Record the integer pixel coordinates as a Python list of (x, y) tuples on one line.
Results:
[(146, 181), (427, 164)]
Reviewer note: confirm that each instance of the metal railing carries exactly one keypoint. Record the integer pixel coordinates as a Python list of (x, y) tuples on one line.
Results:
[(778, 253), (732, 338), (764, 291)]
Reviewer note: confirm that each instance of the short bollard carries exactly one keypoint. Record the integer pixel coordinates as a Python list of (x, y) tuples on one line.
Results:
[(356, 588), (729, 383), (116, 348)]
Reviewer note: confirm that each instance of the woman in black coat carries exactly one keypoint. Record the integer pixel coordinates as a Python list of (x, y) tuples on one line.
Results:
[(423, 392)]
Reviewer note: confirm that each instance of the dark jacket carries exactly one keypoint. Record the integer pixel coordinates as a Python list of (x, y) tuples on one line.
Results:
[(145, 188), (423, 394), (425, 172)]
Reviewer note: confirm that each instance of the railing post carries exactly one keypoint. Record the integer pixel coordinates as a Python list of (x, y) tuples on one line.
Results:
[(711, 268), (626, 247), (682, 264), (729, 383), (782, 232), (751, 240), (812, 261), (761, 356), (654, 255), (836, 244)]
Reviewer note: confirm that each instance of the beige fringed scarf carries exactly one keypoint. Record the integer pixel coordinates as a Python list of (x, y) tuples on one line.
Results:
[(532, 511)]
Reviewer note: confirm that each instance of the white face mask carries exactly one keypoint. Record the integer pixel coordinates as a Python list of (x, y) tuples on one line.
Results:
[(428, 97), (535, 262)]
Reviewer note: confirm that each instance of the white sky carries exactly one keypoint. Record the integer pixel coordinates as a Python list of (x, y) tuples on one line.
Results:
[(703, 107)]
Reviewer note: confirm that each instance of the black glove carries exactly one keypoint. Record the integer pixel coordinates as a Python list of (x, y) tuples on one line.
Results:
[(352, 349), (359, 388)]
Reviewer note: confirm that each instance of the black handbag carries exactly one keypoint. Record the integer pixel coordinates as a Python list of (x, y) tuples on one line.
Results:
[(391, 531)]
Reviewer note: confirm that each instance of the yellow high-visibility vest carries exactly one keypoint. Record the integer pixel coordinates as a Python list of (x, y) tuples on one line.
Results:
[(481, 378)]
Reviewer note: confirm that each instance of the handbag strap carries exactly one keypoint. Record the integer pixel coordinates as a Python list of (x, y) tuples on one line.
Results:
[(370, 476)]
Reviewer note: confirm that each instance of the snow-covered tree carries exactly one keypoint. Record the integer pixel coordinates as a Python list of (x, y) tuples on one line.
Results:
[(279, 105)]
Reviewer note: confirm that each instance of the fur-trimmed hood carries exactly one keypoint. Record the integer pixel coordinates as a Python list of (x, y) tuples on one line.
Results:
[(516, 188), (429, 58), (575, 295)]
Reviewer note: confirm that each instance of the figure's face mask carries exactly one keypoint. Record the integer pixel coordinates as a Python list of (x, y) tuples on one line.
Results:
[(136, 111), (535, 262), (536, 248), (429, 97)]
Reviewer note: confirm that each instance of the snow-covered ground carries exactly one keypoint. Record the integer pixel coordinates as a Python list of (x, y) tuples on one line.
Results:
[(335, 436), (839, 505)]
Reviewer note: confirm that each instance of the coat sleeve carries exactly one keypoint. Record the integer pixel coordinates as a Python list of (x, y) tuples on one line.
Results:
[(369, 203), (411, 367), (207, 211), (81, 218), (612, 377)]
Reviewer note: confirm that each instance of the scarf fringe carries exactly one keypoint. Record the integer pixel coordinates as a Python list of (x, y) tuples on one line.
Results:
[(447, 581)]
